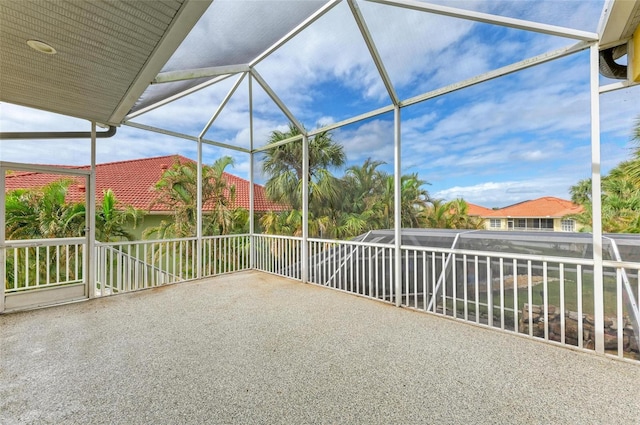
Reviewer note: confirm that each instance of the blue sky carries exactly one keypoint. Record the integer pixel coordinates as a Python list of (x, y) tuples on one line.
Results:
[(515, 138)]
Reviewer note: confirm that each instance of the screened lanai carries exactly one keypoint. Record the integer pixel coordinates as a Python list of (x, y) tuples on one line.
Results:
[(214, 75)]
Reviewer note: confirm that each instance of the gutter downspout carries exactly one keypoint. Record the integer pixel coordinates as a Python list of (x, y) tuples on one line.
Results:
[(35, 135)]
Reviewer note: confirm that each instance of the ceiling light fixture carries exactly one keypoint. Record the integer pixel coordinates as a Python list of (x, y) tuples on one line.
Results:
[(41, 47)]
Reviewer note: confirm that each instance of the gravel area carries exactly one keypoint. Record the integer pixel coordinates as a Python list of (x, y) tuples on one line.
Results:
[(254, 348)]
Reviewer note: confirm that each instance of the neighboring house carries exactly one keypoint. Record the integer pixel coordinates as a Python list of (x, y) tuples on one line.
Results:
[(132, 183), (542, 214)]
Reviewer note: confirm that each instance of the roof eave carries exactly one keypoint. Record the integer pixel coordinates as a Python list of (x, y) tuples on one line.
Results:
[(185, 19)]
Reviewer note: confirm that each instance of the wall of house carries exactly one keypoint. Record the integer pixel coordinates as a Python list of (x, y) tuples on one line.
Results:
[(557, 225)]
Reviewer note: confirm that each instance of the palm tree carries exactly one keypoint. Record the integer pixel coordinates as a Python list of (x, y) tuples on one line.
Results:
[(634, 167), (581, 192), (177, 190), (438, 216), (112, 223), (283, 164), (620, 200), (43, 213)]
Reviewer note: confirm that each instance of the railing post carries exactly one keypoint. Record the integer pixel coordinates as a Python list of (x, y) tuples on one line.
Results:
[(252, 239), (397, 201), (305, 209), (596, 201), (199, 213), (3, 261), (90, 221)]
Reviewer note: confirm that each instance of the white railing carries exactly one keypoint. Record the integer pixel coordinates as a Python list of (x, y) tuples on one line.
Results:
[(359, 267), (43, 263), (225, 254), (549, 298), (129, 266), (280, 255)]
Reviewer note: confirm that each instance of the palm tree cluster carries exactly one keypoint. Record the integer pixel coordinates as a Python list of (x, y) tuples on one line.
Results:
[(361, 200), (620, 195), (45, 213), (177, 191)]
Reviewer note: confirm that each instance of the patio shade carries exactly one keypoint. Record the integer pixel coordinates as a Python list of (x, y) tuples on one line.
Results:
[(106, 53)]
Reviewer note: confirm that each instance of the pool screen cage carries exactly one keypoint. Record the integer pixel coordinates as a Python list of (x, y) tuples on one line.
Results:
[(502, 274)]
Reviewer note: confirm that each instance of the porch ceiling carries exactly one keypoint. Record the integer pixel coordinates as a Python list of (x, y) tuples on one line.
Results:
[(107, 52)]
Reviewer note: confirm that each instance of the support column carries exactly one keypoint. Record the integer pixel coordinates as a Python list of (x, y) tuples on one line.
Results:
[(252, 244), (596, 201), (90, 218), (3, 263), (305, 209), (397, 202), (199, 213)]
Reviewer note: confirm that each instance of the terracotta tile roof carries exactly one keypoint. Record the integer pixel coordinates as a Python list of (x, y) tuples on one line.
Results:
[(477, 210), (547, 206), (132, 182)]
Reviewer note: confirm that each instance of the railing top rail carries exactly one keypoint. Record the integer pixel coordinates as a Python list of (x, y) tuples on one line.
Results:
[(120, 243), (238, 235), (145, 241), (355, 243), (511, 256), (295, 238), (28, 243), (623, 264)]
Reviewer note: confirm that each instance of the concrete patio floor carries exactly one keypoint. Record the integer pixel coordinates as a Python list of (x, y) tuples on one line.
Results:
[(254, 348)]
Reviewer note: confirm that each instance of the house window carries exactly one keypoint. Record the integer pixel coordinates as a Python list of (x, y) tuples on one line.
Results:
[(495, 223), (568, 225), (521, 223), (546, 223)]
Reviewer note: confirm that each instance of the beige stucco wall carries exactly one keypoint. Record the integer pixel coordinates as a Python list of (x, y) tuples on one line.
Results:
[(557, 224)]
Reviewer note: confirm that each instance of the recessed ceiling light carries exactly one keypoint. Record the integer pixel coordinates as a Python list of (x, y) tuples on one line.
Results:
[(41, 47)]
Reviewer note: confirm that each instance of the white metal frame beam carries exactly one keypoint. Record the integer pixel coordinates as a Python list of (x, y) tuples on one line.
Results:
[(375, 55), (279, 143), (90, 202), (297, 30), (176, 96), (252, 201), (183, 136), (492, 19), (500, 72), (222, 105), (277, 100), (192, 74), (596, 200)]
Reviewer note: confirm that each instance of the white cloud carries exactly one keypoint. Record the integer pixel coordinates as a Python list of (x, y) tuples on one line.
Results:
[(499, 194), (373, 139)]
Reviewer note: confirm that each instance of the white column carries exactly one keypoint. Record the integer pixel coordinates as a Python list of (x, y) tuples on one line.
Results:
[(305, 209), (596, 202), (2, 237), (199, 213), (397, 202), (90, 201), (251, 170)]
